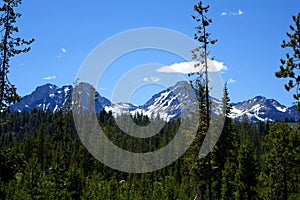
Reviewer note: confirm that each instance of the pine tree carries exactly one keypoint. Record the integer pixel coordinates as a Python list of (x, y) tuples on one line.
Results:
[(291, 65), (9, 47), (201, 56)]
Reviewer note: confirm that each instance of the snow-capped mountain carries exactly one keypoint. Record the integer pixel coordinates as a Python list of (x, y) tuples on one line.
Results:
[(51, 97), (44, 97), (263, 109), (168, 104)]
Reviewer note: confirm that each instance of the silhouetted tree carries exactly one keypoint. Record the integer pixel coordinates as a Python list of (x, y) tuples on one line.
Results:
[(9, 47), (290, 66)]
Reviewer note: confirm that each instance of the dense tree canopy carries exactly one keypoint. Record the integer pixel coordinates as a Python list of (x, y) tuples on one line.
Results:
[(42, 156)]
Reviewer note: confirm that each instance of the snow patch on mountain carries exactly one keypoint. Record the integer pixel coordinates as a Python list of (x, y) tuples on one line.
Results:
[(281, 109)]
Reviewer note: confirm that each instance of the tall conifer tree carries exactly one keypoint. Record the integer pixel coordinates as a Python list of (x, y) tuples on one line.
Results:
[(201, 56), (9, 47), (290, 66)]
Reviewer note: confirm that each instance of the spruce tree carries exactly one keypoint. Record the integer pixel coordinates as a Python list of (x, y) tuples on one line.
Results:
[(223, 150)]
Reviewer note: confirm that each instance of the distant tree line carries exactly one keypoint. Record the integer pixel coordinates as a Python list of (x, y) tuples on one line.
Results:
[(41, 157)]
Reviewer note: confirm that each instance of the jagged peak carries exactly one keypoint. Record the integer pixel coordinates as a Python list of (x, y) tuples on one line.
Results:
[(48, 85)]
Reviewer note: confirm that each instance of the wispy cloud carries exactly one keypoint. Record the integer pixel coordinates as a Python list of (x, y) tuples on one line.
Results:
[(224, 13), (151, 79), (231, 80), (49, 78), (230, 13), (63, 51), (189, 67)]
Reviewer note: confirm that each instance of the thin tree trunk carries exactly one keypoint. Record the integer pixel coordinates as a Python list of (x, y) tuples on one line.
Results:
[(207, 108), (4, 61), (285, 192)]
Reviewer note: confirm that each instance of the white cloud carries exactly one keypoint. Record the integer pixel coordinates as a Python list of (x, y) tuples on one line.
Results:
[(229, 13), (154, 79), (49, 78), (240, 12), (231, 80), (151, 79), (189, 67), (224, 13), (63, 51)]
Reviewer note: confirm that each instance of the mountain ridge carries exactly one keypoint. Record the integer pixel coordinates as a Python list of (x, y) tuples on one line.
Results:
[(167, 104)]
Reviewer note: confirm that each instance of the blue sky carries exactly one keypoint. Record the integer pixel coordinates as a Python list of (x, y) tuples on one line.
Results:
[(249, 35)]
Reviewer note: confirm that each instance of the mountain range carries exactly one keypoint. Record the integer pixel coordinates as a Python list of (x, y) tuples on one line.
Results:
[(167, 103)]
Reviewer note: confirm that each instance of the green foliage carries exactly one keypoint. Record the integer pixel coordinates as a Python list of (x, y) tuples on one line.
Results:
[(245, 176), (228, 178), (11, 163), (290, 65), (279, 178)]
